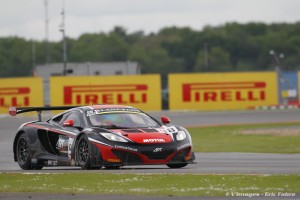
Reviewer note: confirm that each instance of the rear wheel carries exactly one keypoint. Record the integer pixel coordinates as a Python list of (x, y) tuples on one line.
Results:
[(177, 165), (83, 152), (23, 152)]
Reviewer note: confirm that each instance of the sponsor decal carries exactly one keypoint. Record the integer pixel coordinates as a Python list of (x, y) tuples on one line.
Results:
[(161, 130), (51, 163), (88, 130), (157, 150), (124, 147), (142, 91), (105, 94), (70, 143), (224, 91), (171, 129), (14, 96), (183, 146), (153, 140), (60, 144), (110, 110)]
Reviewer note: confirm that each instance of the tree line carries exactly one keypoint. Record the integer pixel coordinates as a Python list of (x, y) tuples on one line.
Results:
[(226, 48)]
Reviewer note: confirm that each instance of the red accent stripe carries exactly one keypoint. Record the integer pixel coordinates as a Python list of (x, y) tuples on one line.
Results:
[(226, 85), (14, 91), (106, 88), (52, 130)]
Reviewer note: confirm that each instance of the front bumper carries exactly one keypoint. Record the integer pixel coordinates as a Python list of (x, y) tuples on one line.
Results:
[(145, 154)]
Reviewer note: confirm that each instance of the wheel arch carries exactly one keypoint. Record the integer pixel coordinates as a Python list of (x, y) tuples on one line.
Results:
[(96, 159), (19, 133), (32, 135)]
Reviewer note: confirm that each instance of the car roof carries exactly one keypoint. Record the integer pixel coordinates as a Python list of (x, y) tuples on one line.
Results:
[(109, 106), (102, 106)]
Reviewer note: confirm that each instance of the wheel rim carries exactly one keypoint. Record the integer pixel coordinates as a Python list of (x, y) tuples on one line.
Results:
[(22, 151), (83, 151)]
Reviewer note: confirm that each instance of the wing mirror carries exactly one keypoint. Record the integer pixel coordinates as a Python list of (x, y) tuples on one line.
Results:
[(68, 122), (165, 120)]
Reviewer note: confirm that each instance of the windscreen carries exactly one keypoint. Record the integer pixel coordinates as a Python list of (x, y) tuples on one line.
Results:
[(122, 120)]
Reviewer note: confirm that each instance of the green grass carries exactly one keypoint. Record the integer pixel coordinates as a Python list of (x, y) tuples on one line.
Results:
[(228, 139), (152, 184)]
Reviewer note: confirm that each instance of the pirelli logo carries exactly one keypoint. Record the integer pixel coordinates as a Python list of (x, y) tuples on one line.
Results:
[(105, 94), (224, 91), (14, 96)]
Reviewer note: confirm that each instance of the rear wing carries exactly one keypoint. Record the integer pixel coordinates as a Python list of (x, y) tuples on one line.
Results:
[(13, 111)]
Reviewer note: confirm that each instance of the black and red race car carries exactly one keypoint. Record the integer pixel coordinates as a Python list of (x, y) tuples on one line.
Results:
[(98, 136)]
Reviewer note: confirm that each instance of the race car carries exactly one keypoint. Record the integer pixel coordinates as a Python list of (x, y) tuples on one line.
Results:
[(97, 136)]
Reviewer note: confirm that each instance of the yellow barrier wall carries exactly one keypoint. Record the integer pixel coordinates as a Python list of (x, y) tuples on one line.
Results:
[(141, 91), (222, 91), (20, 92)]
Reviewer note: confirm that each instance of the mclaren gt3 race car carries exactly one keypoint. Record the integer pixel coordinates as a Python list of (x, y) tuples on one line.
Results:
[(98, 136)]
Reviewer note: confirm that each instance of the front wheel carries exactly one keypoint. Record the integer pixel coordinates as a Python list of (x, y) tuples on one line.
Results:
[(174, 166), (23, 152), (83, 152)]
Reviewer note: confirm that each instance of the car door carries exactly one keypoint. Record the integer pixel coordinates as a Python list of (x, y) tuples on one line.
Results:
[(66, 134)]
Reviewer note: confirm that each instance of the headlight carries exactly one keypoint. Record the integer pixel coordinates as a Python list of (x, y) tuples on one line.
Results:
[(113, 137), (180, 135)]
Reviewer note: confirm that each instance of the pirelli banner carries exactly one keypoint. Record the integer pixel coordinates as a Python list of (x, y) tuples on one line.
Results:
[(141, 91), (222, 91), (21, 92)]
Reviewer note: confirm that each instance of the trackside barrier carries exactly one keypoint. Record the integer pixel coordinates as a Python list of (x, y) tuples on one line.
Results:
[(207, 91), (222, 91), (20, 92), (298, 80), (141, 91), (276, 107)]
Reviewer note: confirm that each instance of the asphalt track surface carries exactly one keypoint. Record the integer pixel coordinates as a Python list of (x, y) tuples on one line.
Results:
[(207, 163)]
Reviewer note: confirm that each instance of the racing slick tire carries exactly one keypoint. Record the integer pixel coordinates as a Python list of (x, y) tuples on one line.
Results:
[(175, 166), (23, 152), (83, 152)]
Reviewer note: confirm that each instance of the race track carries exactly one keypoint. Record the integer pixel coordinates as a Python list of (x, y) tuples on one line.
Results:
[(207, 163), (230, 117)]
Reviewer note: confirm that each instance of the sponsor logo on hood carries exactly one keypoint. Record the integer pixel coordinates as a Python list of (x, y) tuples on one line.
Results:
[(153, 140)]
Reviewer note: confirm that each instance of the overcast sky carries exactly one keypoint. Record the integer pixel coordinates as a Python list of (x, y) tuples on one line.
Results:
[(26, 18)]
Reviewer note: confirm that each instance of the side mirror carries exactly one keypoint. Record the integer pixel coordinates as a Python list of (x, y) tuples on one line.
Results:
[(165, 120), (12, 111), (69, 122)]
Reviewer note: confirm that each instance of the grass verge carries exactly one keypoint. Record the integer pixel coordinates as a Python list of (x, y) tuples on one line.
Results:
[(230, 139), (153, 184)]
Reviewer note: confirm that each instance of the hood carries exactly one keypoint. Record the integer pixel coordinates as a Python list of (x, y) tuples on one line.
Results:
[(146, 136)]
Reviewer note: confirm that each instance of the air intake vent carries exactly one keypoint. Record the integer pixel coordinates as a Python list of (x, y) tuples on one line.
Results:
[(132, 130), (150, 130)]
